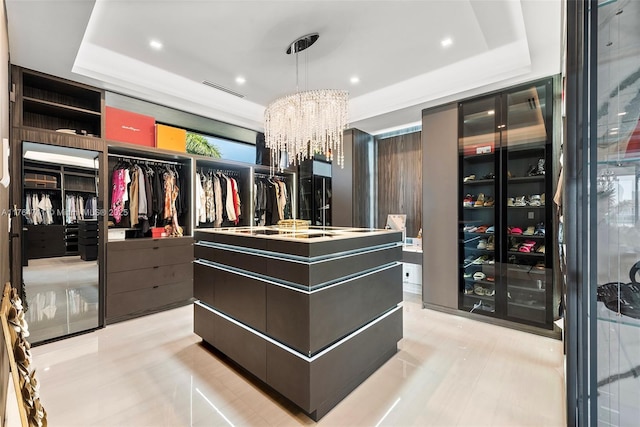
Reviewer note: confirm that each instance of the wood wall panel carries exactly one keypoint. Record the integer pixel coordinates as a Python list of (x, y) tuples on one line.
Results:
[(400, 180), (363, 174)]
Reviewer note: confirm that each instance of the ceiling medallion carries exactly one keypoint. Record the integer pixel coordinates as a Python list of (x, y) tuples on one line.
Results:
[(306, 123)]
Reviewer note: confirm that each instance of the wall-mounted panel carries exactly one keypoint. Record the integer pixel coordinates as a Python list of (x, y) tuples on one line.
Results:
[(400, 179)]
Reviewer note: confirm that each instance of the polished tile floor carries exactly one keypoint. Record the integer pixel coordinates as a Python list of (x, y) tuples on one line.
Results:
[(449, 371)]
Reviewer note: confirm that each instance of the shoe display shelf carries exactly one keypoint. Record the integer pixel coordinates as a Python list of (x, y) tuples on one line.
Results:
[(478, 248), (505, 249), (527, 271)]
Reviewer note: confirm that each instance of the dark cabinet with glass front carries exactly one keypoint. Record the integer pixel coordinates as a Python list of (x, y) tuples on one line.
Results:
[(315, 192), (505, 218)]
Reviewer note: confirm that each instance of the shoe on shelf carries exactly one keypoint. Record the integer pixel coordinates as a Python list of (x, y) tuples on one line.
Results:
[(491, 229), (539, 229), (540, 167), (529, 231), (489, 202), (527, 246), (468, 201), (541, 249), (478, 290), (489, 292), (469, 228), (520, 201), (515, 231), (490, 245), (490, 175), (481, 229), (542, 200), (480, 260), (479, 275), (468, 289), (482, 244), (510, 175), (469, 178), (534, 200), (479, 201), (510, 201)]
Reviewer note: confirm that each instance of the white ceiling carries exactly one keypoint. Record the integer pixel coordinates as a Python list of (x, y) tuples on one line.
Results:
[(392, 46)]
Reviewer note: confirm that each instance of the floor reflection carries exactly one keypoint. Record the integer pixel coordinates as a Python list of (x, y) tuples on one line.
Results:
[(61, 295)]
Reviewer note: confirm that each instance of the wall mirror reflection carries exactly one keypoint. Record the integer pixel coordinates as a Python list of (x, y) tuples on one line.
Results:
[(60, 240)]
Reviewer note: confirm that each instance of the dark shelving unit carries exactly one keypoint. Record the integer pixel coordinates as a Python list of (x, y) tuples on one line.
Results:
[(507, 134)]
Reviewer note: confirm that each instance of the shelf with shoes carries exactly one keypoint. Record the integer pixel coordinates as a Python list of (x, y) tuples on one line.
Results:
[(505, 143)]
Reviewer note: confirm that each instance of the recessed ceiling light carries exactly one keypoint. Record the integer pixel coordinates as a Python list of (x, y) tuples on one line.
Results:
[(623, 113), (446, 42), (613, 132), (241, 80), (491, 112), (612, 129), (354, 79), (155, 44)]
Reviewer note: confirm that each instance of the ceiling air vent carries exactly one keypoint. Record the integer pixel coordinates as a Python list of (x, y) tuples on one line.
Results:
[(222, 88)]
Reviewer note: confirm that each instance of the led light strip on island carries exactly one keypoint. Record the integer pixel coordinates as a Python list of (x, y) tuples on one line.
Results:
[(297, 258), (288, 349), (295, 286)]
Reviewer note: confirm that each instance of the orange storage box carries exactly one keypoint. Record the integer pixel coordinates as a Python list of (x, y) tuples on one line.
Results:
[(170, 138)]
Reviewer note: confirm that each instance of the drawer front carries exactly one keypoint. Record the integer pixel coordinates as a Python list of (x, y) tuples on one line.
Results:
[(125, 281), (203, 323), (203, 283), (158, 255), (88, 242), (88, 234), (45, 250), (164, 242), (243, 347), (45, 232), (142, 301), (241, 297)]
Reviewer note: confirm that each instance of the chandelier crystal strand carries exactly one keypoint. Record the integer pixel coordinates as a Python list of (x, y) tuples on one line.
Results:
[(307, 123)]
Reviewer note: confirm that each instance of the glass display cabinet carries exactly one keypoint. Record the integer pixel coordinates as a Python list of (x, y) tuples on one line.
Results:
[(505, 174), (315, 192)]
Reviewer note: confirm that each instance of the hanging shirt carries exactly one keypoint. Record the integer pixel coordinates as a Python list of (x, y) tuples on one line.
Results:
[(118, 191), (209, 200), (218, 199), (142, 194), (231, 212), (236, 199), (200, 198)]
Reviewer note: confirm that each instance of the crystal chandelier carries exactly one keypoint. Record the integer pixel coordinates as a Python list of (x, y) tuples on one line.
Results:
[(306, 123)]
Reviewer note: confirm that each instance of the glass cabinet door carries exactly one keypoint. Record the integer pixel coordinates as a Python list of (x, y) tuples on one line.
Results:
[(478, 147), (526, 145)]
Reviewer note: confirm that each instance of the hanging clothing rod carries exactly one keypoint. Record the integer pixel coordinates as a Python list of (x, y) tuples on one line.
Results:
[(263, 175), (204, 169), (123, 156)]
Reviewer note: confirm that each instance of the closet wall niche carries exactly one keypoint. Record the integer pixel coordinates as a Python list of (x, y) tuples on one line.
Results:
[(275, 195), (149, 248), (149, 194), (222, 194)]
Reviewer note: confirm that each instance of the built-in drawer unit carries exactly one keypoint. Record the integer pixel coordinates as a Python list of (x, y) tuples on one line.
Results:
[(45, 241), (148, 275)]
